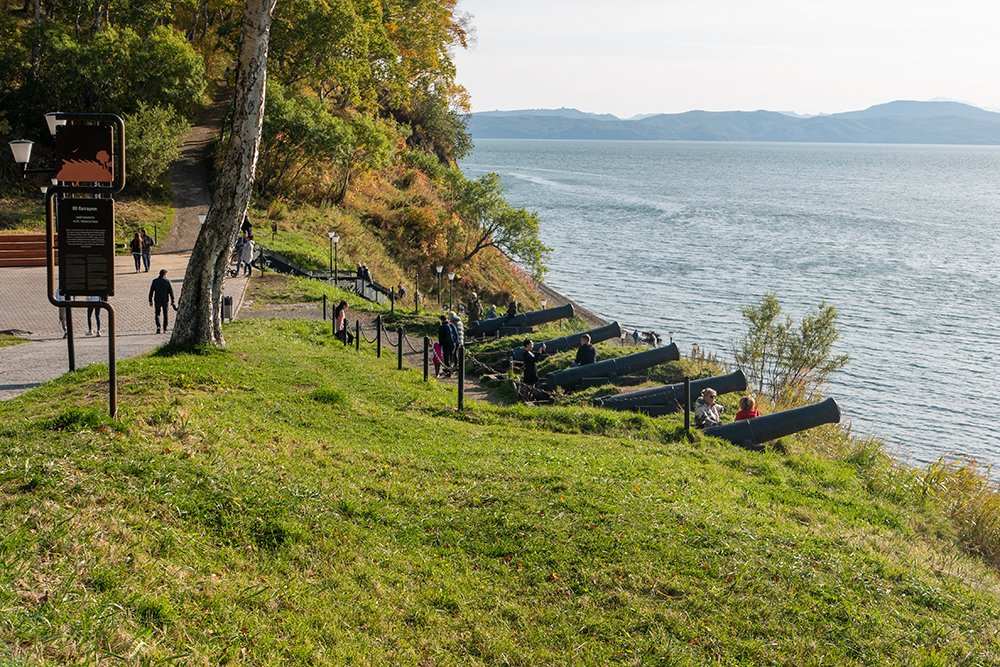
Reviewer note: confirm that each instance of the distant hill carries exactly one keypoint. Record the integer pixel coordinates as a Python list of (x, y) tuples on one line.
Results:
[(900, 122)]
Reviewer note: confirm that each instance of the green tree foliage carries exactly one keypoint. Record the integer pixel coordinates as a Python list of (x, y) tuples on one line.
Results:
[(154, 138), (791, 364), (304, 144), (492, 222), (116, 69)]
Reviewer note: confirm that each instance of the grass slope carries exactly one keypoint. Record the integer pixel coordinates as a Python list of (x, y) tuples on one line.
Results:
[(292, 502)]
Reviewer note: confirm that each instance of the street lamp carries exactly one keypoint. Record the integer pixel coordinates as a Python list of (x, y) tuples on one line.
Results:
[(439, 270), (202, 217), (671, 334), (544, 303), (451, 291), (334, 245), (21, 148)]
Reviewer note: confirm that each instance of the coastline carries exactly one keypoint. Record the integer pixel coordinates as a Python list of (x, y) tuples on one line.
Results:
[(557, 299)]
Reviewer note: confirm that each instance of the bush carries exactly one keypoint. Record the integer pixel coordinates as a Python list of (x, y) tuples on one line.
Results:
[(791, 363), (154, 136)]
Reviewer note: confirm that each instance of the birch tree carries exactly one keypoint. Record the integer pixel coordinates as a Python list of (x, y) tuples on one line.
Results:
[(199, 319)]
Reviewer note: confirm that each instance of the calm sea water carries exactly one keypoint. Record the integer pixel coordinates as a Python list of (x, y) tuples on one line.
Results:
[(902, 240)]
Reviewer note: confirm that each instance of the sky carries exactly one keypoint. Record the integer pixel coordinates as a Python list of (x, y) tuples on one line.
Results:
[(629, 57)]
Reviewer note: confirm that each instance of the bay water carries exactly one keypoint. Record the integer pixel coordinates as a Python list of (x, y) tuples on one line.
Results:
[(902, 240)]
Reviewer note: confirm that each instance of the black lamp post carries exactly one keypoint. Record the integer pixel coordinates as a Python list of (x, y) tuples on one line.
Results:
[(439, 270), (451, 291), (334, 246)]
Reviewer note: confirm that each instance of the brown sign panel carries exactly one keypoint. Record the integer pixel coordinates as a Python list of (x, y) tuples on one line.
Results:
[(85, 151), (86, 246)]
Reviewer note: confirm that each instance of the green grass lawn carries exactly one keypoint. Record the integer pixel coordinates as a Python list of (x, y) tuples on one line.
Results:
[(292, 502)]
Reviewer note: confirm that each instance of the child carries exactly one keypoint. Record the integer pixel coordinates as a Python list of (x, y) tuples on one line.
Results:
[(437, 359), (747, 410)]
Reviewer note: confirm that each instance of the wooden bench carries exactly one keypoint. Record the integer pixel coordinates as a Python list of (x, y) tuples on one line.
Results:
[(25, 249)]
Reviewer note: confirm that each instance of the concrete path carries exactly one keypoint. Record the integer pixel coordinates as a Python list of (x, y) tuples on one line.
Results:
[(25, 307)]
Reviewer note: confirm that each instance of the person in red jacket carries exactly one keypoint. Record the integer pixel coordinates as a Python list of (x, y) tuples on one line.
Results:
[(747, 410)]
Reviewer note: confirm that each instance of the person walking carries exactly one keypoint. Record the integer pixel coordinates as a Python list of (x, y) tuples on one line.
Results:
[(147, 248), (161, 293), (135, 245)]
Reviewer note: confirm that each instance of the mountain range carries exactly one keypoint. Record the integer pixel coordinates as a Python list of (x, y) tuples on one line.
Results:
[(900, 122)]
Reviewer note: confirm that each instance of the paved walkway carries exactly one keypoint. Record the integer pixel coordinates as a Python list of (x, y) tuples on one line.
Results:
[(25, 307)]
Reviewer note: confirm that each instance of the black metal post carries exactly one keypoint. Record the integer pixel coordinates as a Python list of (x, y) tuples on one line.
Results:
[(451, 294), (336, 264), (687, 404), (416, 294), (331, 257), (378, 337), (427, 358), (439, 290), (69, 339), (461, 377), (324, 307), (357, 335), (399, 351)]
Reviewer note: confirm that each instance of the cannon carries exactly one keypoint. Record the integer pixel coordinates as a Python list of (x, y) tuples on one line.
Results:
[(606, 371), (521, 321), (666, 400), (753, 433), (572, 341)]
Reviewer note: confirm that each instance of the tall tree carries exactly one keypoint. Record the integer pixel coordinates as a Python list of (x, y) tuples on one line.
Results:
[(199, 320)]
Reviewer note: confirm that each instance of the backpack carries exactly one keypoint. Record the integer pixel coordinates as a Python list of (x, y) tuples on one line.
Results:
[(453, 334)]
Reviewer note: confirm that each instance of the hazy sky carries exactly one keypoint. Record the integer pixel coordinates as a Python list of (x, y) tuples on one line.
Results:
[(627, 57)]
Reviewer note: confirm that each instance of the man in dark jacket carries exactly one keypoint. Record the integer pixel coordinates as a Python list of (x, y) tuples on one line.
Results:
[(161, 292), (448, 339)]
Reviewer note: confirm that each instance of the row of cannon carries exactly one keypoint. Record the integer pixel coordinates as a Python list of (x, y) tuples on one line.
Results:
[(748, 433)]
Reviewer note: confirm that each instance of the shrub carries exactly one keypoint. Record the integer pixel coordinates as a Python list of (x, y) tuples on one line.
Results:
[(155, 135), (791, 363)]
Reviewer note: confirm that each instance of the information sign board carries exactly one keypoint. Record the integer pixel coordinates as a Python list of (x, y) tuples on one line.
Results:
[(86, 247)]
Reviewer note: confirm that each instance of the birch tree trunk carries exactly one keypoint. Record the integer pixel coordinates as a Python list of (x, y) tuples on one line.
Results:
[(199, 320)]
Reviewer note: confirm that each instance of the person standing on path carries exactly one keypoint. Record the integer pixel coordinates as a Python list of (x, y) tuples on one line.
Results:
[(147, 248), (246, 256), (475, 309), (90, 314), (448, 339), (136, 247), (161, 292)]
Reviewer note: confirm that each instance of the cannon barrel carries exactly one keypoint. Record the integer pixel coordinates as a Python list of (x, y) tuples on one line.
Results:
[(612, 368), (573, 340), (529, 319), (670, 398), (753, 433)]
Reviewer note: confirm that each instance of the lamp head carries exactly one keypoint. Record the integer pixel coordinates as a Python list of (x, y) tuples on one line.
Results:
[(50, 120), (439, 269), (451, 276), (21, 148)]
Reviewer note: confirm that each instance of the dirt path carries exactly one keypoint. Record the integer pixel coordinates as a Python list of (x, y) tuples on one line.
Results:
[(190, 176)]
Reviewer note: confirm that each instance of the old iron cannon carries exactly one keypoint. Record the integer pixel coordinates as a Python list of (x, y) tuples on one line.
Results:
[(670, 398), (606, 371), (572, 341), (753, 433), (521, 321)]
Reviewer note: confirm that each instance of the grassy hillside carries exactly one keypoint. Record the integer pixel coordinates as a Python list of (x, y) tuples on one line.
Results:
[(292, 502)]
